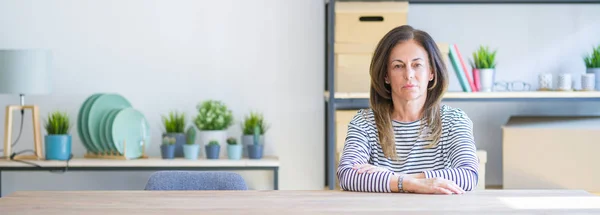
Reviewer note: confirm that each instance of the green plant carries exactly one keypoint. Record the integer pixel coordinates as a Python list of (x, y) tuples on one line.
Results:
[(213, 143), (483, 58), (231, 141), (213, 115), (190, 135), (252, 120), (593, 60), (58, 123), (168, 140), (174, 122)]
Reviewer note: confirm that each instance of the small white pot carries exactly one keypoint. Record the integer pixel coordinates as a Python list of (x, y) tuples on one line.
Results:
[(486, 79), (206, 136), (596, 72)]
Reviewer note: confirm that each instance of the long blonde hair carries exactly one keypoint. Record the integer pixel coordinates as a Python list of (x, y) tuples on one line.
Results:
[(381, 96)]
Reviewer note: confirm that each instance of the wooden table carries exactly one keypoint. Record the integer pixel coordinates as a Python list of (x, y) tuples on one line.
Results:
[(149, 164), (297, 202)]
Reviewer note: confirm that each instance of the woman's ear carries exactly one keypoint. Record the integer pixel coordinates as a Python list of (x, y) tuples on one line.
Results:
[(387, 81), (431, 76)]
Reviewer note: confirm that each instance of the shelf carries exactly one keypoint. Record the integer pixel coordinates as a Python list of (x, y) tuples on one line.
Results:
[(361, 100)]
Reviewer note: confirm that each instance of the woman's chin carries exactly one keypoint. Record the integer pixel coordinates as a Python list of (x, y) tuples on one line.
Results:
[(410, 95)]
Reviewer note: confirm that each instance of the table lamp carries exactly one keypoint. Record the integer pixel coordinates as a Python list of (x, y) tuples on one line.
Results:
[(24, 72)]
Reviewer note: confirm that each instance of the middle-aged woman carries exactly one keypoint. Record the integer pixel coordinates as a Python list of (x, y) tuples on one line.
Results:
[(407, 141)]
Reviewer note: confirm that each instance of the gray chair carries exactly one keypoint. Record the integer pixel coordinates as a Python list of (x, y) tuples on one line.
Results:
[(195, 180)]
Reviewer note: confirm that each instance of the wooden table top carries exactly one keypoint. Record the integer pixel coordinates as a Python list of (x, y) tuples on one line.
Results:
[(298, 202), (148, 162)]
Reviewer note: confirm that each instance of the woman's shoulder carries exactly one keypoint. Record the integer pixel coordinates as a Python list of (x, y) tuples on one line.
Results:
[(363, 119), (453, 115)]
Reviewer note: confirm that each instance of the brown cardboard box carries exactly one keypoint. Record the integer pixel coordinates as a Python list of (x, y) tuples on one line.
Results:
[(552, 152), (367, 22)]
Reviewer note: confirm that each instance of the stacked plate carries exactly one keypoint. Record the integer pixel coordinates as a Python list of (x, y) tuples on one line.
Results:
[(107, 122)]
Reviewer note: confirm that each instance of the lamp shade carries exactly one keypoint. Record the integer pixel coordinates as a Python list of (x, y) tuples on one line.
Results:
[(25, 72)]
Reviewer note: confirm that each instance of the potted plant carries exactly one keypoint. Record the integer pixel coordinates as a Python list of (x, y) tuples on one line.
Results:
[(592, 63), (213, 149), (251, 122), (174, 127), (58, 140), (167, 148), (255, 150), (234, 150), (190, 149), (212, 121), (484, 64)]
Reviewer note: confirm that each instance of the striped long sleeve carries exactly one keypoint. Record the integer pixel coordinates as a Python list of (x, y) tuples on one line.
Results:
[(462, 155), (357, 150)]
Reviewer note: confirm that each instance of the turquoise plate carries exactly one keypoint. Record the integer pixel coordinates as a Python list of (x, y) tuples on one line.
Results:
[(108, 130), (79, 114), (130, 125), (82, 122), (106, 143), (100, 107)]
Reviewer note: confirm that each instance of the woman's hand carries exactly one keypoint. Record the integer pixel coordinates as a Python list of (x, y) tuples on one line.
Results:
[(431, 186), (368, 168)]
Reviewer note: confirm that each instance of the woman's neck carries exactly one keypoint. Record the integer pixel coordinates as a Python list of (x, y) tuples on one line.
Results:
[(408, 111)]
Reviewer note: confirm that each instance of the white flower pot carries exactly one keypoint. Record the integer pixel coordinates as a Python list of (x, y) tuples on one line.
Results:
[(486, 79), (206, 136), (595, 71)]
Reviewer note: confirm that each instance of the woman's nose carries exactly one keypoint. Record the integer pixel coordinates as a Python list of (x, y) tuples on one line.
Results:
[(410, 73)]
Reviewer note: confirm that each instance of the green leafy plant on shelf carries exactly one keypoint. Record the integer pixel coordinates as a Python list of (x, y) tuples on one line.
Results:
[(58, 123), (213, 115), (252, 120), (213, 143), (190, 135), (593, 59), (174, 122), (231, 141), (484, 58)]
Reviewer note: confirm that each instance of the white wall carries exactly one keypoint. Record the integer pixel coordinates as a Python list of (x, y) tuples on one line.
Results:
[(531, 39), (162, 55), (143, 49)]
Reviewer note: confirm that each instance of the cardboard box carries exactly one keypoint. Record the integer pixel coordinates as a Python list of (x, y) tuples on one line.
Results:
[(482, 155), (552, 152), (367, 22)]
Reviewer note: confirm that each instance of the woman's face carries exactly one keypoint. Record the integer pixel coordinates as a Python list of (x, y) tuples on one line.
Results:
[(409, 71)]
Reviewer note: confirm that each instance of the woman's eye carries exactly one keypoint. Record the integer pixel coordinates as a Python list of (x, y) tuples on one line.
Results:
[(398, 66), (418, 65)]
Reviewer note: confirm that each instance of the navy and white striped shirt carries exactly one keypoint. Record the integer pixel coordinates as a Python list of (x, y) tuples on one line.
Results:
[(453, 158)]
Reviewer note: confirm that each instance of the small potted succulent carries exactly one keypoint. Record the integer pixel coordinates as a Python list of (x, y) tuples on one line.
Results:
[(58, 140), (167, 148), (234, 150), (252, 121), (592, 64), (255, 150), (484, 64), (191, 149), (174, 127), (213, 149), (212, 121)]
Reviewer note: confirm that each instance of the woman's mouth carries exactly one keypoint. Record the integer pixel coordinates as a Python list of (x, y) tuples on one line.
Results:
[(409, 86)]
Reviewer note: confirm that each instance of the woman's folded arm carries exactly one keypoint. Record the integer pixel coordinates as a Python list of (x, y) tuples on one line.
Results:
[(356, 151)]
